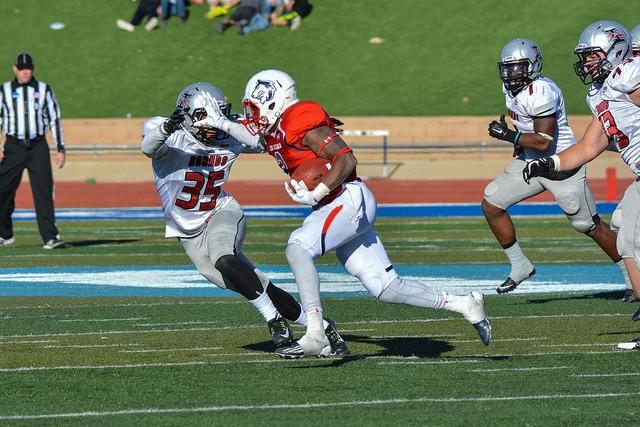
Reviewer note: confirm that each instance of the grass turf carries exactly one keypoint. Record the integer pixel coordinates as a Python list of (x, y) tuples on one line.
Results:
[(438, 58), (204, 361)]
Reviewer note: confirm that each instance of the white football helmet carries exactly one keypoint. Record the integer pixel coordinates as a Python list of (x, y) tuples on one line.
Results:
[(192, 101), (602, 46), (520, 64), (266, 96), (635, 40)]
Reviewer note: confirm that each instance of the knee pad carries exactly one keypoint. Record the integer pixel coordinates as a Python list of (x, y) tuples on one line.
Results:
[(582, 225), (296, 251), (375, 282)]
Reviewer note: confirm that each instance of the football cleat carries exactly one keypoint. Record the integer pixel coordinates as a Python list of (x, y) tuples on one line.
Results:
[(629, 296), (7, 242), (636, 316), (630, 345), (280, 331), (338, 345), (509, 284), (54, 243), (476, 315), (304, 347)]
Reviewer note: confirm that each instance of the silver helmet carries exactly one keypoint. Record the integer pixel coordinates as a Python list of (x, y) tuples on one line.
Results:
[(602, 46), (520, 64), (635, 40), (192, 101)]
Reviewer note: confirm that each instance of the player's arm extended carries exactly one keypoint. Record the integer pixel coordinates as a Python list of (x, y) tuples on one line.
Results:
[(153, 138), (588, 148), (542, 136), (326, 143)]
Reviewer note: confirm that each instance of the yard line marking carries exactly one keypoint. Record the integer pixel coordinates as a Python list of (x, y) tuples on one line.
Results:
[(624, 374), (503, 340), (119, 332), (382, 337), (552, 353), (235, 408), (444, 319), (103, 320), (162, 350), (121, 305), (479, 370), (434, 362), (606, 344), (131, 366), (91, 345), (195, 322), (29, 342)]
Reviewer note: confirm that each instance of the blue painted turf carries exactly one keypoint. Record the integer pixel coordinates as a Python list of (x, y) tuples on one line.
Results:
[(184, 281), (438, 210)]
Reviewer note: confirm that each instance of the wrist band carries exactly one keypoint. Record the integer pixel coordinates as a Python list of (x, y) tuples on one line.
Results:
[(515, 140), (325, 142), (320, 191)]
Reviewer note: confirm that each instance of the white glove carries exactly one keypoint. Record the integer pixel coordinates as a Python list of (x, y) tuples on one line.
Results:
[(215, 118), (299, 193)]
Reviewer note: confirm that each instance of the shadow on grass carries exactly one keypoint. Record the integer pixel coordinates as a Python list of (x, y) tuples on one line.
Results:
[(610, 296), (99, 242), (409, 347)]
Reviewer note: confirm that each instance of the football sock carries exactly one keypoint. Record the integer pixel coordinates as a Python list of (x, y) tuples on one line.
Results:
[(625, 273), (521, 267), (307, 279), (285, 303), (457, 303), (264, 305), (410, 292)]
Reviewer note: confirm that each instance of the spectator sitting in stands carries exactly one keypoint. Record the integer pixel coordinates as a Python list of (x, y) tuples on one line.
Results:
[(241, 16), (148, 8), (174, 8), (289, 12)]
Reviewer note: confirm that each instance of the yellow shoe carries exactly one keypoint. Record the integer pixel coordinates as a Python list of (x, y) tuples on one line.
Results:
[(214, 12)]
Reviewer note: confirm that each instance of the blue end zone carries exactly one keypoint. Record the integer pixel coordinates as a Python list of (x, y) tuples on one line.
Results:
[(437, 210), (184, 281)]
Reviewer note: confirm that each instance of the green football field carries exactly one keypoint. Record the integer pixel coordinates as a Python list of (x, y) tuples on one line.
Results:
[(438, 58), (208, 361)]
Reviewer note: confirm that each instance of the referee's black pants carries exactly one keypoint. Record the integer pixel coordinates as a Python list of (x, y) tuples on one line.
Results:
[(19, 156)]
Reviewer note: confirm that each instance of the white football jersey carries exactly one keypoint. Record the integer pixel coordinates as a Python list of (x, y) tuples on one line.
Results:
[(618, 115), (189, 178), (541, 98)]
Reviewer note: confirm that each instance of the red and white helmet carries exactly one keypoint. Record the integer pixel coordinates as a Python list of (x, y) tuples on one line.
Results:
[(266, 96)]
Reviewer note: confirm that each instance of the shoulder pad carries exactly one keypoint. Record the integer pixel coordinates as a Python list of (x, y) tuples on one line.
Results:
[(625, 77)]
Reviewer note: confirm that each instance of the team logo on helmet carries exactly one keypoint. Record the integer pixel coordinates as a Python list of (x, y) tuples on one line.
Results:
[(614, 34), (264, 91), (184, 101)]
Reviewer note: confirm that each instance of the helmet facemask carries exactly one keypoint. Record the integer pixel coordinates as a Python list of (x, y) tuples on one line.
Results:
[(255, 122), (592, 65), (516, 75), (267, 95)]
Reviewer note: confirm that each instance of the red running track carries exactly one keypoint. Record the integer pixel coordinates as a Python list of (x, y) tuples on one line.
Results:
[(143, 194)]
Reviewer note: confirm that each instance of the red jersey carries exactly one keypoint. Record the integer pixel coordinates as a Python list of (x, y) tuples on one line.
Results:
[(285, 143)]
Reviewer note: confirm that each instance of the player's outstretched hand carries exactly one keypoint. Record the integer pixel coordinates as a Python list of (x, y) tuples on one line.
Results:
[(215, 118), (538, 167), (299, 193), (501, 131), (174, 121)]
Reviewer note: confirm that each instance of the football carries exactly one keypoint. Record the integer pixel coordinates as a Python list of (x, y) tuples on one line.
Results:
[(312, 171)]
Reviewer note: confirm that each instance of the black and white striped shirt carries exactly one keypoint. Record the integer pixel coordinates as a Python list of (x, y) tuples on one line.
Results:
[(28, 110)]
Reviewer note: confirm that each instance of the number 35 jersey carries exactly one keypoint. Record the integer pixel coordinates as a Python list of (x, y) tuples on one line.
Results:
[(540, 99), (189, 180), (618, 115)]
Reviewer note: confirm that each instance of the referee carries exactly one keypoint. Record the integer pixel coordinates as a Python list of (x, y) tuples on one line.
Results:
[(28, 108)]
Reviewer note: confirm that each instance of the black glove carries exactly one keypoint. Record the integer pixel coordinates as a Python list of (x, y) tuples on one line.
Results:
[(502, 131), (336, 123), (538, 167), (174, 121)]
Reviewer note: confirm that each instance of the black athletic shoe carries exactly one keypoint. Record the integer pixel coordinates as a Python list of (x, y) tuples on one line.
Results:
[(636, 315), (629, 296), (509, 284), (280, 330), (338, 346)]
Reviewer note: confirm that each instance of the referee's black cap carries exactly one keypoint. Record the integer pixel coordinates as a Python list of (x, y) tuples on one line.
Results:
[(24, 60)]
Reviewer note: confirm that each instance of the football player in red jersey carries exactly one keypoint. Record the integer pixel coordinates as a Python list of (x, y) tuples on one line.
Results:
[(344, 210)]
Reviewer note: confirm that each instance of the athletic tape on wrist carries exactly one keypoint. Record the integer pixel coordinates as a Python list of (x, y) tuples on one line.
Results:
[(320, 191)]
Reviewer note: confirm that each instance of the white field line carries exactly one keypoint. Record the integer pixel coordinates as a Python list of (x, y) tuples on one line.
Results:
[(239, 408), (29, 342), (194, 322), (92, 345), (623, 374), (128, 319), (547, 368), (382, 337), (360, 322), (503, 340), (606, 344), (163, 350), (429, 362), (210, 301)]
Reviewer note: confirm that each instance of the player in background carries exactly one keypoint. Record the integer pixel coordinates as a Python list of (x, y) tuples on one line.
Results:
[(605, 64), (635, 40), (190, 165), (536, 108), (344, 210)]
